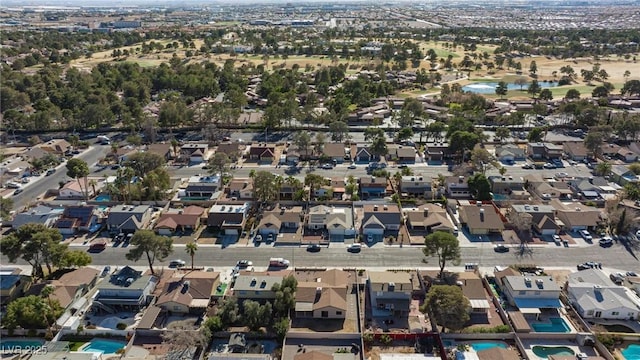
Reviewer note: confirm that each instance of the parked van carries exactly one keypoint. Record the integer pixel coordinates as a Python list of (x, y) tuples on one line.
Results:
[(278, 262)]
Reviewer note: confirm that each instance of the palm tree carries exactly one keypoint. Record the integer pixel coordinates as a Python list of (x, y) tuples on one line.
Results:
[(174, 145), (114, 150), (278, 182), (191, 249), (93, 184)]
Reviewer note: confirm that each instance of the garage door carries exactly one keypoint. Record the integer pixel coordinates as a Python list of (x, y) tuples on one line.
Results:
[(373, 231), (231, 232)]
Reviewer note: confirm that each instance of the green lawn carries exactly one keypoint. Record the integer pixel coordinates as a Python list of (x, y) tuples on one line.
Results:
[(76, 345)]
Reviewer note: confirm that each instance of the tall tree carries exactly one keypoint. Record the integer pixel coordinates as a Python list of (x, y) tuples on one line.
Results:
[(448, 305), (219, 163), (263, 185), (191, 250), (502, 89), (443, 245), (480, 187), (78, 169), (32, 312), (302, 140), (153, 247)]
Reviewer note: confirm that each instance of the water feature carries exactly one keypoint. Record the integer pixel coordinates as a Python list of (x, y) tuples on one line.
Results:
[(631, 352), (103, 197), (545, 351), (557, 325), (489, 87), (485, 345), (104, 346)]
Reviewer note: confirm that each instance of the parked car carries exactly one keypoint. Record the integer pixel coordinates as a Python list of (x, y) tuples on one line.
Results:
[(631, 274), (327, 166), (50, 172), (258, 238), (617, 279), (177, 263), (354, 248), (500, 249), (106, 271), (18, 191), (352, 166), (313, 248), (606, 241), (556, 239), (527, 166), (585, 235), (549, 166), (243, 264)]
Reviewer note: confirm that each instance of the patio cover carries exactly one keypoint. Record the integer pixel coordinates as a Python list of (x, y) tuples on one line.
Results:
[(538, 303), (479, 304)]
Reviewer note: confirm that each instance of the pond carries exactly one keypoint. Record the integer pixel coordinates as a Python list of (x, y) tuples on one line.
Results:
[(489, 87)]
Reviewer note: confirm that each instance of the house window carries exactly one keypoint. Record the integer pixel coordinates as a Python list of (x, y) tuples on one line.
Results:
[(324, 314), (338, 312), (522, 292), (589, 312), (614, 313), (243, 292)]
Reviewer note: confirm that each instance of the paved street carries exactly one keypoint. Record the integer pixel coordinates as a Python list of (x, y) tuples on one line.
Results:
[(39, 186), (380, 256)]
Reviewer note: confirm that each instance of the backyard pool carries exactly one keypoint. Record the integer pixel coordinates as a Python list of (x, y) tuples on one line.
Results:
[(104, 346), (103, 197), (490, 87), (632, 352), (557, 325), (21, 344), (485, 345), (544, 351)]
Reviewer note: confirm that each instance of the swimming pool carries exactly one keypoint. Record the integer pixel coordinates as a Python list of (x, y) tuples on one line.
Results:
[(545, 351), (104, 346), (16, 344), (632, 352), (557, 325), (485, 345), (103, 197)]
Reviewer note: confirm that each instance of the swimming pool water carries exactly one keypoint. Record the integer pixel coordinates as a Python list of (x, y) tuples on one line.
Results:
[(545, 351), (104, 346), (479, 346), (557, 325), (8, 344), (632, 352)]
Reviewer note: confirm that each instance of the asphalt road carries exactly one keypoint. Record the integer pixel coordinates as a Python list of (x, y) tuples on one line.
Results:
[(337, 256), (40, 186)]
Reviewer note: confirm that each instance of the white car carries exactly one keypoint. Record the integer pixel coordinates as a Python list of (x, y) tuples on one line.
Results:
[(606, 241), (557, 239), (352, 166)]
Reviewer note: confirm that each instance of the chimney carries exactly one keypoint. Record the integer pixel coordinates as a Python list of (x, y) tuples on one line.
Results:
[(385, 207), (482, 215)]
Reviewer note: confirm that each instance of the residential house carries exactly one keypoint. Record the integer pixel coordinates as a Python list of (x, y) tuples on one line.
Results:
[(265, 153), (179, 220), (337, 221), (338, 187), (81, 218), (428, 218), (621, 175), (553, 151), (595, 296), (436, 152), (203, 187), (15, 168), (457, 187), (195, 153), (481, 219), (289, 189), (390, 293), (163, 149), (474, 291), (322, 294), (416, 185), (609, 150), (12, 285), (531, 292), (575, 151), (56, 146), (547, 189), (70, 287), (402, 154), (373, 187), (128, 218), (229, 219), (127, 289), (241, 188), (576, 216), (508, 154), (35, 153), (337, 152), (282, 219), (508, 187), (189, 293), (233, 150), (588, 188), (626, 155), (379, 220), (536, 151), (541, 217), (73, 190), (258, 287), (364, 155), (40, 214)]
